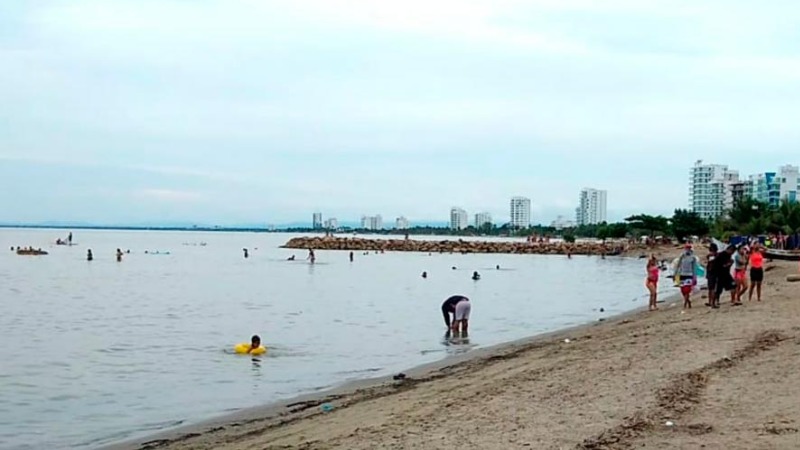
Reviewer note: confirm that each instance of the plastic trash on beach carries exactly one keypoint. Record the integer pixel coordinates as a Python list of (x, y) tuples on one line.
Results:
[(326, 407), (670, 423), (566, 341)]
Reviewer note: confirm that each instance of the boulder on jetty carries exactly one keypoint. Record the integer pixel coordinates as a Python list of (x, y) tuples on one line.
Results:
[(454, 246)]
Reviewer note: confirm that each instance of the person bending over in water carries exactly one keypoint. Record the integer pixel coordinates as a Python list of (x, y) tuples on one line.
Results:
[(476, 276), (459, 306)]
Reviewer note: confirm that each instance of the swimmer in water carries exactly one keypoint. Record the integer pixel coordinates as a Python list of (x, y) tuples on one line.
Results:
[(424, 274), (119, 255), (291, 258), (459, 306), (246, 253), (255, 342), (476, 276), (498, 267)]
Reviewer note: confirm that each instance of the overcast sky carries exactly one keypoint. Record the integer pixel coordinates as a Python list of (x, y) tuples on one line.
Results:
[(231, 111)]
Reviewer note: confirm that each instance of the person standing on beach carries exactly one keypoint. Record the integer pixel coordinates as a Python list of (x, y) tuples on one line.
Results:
[(652, 281), (722, 266), (740, 273), (686, 274), (711, 276), (756, 272), (459, 306)]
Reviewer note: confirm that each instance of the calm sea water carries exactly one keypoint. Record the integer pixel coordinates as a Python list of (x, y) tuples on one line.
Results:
[(98, 352)]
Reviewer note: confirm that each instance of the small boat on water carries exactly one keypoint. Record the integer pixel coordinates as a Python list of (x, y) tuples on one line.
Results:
[(784, 255), (30, 252)]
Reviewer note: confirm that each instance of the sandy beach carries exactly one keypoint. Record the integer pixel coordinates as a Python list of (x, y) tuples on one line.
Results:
[(702, 378)]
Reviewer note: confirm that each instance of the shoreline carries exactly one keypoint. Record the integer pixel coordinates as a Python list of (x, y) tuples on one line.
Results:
[(304, 406), (669, 379)]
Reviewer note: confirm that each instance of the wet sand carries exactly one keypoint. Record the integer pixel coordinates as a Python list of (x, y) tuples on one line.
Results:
[(724, 378)]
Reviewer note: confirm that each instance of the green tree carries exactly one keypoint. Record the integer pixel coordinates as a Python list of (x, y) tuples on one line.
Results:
[(688, 223)]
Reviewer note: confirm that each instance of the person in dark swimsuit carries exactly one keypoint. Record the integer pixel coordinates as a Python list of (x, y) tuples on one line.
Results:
[(449, 307)]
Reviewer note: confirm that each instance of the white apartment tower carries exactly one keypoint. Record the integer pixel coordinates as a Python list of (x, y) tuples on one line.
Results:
[(591, 207), (372, 222), (713, 189), (317, 220), (401, 223), (458, 219), (520, 212), (482, 218), (331, 224)]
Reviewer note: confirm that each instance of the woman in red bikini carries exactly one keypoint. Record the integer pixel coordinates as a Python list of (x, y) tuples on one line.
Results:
[(652, 281)]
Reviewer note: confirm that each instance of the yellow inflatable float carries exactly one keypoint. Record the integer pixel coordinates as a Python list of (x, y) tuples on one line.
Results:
[(243, 348)]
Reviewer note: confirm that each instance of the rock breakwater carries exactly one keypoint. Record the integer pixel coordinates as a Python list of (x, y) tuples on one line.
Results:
[(454, 246)]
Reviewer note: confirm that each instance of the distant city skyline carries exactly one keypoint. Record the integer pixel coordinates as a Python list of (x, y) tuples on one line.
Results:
[(241, 112)]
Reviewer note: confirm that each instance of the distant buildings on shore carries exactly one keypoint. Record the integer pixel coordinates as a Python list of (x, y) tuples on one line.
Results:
[(372, 222), (561, 223), (591, 207), (714, 188), (401, 223), (316, 220), (331, 224), (482, 219), (458, 218), (520, 212)]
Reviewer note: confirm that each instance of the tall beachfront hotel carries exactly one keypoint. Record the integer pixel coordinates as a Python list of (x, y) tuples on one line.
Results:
[(520, 212), (458, 218), (592, 204), (715, 189)]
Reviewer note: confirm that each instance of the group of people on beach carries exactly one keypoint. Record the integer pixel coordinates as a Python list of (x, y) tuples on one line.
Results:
[(725, 270)]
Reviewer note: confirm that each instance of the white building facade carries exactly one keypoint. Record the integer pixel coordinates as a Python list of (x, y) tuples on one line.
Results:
[(316, 220), (561, 223), (711, 189), (372, 222), (401, 223), (482, 218), (520, 212), (592, 204), (332, 224), (458, 219)]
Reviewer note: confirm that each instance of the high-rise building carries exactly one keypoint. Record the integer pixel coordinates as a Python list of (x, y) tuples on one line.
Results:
[(712, 189), (520, 212), (561, 222), (591, 207), (482, 218), (458, 219), (332, 224), (372, 222), (788, 181), (774, 187), (317, 220), (401, 223)]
